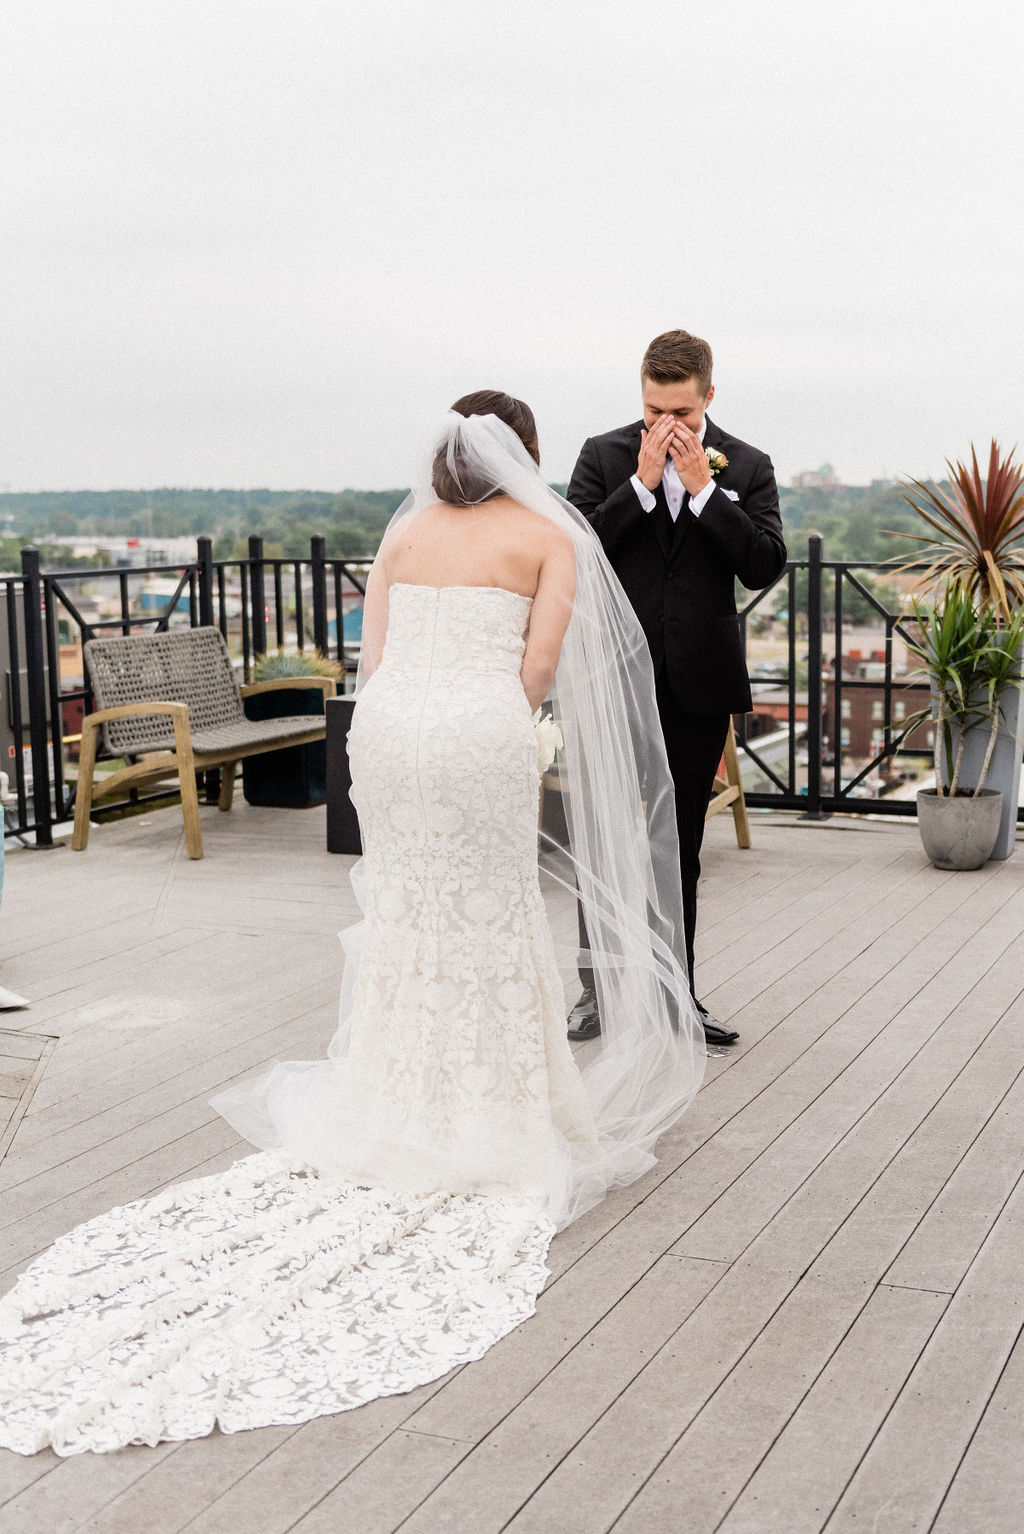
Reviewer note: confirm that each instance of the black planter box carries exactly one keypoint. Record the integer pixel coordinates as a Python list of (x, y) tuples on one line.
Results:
[(296, 776), (342, 821)]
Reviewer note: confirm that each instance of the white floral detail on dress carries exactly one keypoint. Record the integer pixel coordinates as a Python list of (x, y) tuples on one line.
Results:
[(262, 1295), (446, 1127), (549, 740)]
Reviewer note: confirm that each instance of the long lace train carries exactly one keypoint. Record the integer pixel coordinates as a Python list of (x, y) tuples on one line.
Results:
[(261, 1295)]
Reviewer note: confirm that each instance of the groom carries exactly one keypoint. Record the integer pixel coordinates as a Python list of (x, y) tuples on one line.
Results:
[(683, 511)]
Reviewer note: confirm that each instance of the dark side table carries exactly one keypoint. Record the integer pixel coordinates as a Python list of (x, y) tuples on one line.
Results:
[(342, 821)]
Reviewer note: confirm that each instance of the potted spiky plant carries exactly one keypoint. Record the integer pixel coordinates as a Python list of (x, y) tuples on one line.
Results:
[(973, 662), (296, 776), (975, 541)]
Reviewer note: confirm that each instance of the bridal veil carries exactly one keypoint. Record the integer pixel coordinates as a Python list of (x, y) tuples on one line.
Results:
[(621, 851)]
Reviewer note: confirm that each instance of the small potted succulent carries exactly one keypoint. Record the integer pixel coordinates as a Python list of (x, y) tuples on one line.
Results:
[(974, 541), (296, 776)]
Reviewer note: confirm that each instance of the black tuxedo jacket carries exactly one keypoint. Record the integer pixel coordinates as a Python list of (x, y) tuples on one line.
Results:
[(680, 576)]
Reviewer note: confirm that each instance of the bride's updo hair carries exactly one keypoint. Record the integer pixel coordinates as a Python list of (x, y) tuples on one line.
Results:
[(457, 482)]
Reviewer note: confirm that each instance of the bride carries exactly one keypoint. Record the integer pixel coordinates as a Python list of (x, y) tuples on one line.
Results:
[(396, 1218)]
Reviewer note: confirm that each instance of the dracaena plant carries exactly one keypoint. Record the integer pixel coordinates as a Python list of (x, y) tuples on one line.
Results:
[(977, 531), (971, 659)]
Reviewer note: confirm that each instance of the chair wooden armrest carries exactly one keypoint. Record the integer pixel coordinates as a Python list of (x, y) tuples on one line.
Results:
[(134, 710), (327, 685), (181, 761)]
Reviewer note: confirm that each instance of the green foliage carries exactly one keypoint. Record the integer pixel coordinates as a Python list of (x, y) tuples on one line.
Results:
[(853, 522), (52, 556), (970, 658), (277, 664), (976, 529), (351, 521)]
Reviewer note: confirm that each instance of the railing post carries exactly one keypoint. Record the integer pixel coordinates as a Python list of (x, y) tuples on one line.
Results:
[(204, 560), (814, 745), (259, 595), (35, 673), (204, 566), (318, 572)]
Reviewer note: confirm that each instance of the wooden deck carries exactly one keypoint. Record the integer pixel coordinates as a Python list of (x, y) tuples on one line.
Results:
[(808, 1317)]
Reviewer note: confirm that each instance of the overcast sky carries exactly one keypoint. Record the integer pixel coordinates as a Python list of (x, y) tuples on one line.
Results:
[(266, 242)]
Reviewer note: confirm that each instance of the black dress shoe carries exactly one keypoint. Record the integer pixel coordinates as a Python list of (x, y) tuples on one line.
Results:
[(585, 1019), (714, 1033)]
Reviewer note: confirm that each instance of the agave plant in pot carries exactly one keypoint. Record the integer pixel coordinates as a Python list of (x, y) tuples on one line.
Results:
[(973, 663), (974, 540)]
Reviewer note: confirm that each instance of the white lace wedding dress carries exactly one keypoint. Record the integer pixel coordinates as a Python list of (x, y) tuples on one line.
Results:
[(395, 1222)]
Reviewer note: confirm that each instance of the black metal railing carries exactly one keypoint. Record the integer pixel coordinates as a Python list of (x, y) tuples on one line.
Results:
[(838, 775), (793, 745), (258, 603)]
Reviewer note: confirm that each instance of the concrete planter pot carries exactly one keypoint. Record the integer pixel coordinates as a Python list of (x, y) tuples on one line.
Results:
[(959, 833), (1003, 774)]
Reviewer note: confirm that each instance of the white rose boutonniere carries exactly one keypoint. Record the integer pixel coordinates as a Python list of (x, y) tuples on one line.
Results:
[(549, 740), (716, 460)]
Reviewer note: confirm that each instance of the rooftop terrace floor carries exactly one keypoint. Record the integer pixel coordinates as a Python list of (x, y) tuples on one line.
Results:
[(808, 1316)]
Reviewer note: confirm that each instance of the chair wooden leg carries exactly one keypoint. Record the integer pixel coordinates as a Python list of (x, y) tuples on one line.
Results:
[(83, 792), (227, 785), (739, 805), (190, 813), (189, 792)]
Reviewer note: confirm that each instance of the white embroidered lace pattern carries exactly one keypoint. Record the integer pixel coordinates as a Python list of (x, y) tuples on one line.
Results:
[(262, 1295), (447, 1126)]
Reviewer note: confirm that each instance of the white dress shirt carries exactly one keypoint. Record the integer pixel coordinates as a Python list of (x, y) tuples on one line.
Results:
[(673, 487)]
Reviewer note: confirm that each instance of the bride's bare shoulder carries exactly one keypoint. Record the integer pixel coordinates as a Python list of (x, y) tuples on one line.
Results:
[(541, 530)]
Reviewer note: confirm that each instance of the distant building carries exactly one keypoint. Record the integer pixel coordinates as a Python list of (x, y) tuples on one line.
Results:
[(859, 730), (136, 553), (824, 478)]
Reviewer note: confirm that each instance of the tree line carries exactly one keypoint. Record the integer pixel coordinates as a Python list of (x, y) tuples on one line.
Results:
[(853, 521)]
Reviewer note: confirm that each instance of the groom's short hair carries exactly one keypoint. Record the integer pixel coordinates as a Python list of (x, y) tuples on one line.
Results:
[(675, 356)]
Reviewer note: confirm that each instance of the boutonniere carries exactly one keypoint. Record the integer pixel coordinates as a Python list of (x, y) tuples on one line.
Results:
[(716, 460)]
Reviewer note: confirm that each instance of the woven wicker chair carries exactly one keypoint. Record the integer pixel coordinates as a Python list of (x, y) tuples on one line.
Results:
[(171, 706)]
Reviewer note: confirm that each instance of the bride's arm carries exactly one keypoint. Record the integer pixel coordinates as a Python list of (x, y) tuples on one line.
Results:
[(375, 615), (549, 619)]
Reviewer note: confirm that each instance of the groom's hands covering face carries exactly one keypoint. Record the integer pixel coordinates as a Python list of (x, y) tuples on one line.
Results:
[(689, 457), (654, 448)]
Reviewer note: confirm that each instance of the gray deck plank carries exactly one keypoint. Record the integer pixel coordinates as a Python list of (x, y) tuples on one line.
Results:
[(988, 1492), (912, 1461), (376, 1496), (73, 1490), (758, 1330), (708, 1465), (270, 1478), (491, 1484), (139, 1103), (731, 947), (799, 1481)]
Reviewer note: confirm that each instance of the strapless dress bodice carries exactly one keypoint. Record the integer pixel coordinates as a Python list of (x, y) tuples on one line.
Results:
[(455, 630)]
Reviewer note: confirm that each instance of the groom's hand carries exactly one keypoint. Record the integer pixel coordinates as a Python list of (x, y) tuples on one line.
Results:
[(654, 446), (689, 457)]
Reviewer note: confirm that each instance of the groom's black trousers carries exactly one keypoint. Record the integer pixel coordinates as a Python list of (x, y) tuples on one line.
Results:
[(693, 744)]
